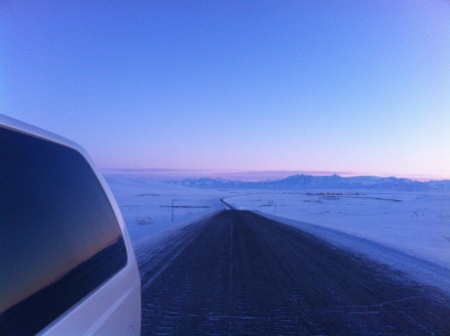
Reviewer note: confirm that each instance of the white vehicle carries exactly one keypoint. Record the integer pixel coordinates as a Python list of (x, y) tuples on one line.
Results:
[(67, 266)]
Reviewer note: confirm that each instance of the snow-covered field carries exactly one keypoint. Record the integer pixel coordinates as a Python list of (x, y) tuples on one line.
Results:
[(407, 230), (152, 209)]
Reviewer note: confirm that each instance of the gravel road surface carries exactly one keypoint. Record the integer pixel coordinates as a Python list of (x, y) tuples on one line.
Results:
[(238, 273)]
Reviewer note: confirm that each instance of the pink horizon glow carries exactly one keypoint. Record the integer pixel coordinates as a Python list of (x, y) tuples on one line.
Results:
[(249, 175)]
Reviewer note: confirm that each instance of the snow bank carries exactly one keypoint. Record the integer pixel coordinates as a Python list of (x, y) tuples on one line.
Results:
[(153, 209)]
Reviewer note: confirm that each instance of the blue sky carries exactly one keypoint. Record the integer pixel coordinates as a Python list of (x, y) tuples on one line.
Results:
[(360, 87)]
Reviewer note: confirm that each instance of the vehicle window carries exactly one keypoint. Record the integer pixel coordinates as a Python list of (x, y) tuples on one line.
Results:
[(59, 237)]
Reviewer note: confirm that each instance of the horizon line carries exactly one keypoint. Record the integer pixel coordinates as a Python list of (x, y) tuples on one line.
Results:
[(253, 175)]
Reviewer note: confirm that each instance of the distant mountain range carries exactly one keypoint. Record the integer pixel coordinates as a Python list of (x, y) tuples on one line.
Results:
[(308, 182)]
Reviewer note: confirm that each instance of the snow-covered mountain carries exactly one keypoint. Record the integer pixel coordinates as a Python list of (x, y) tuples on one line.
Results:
[(306, 182)]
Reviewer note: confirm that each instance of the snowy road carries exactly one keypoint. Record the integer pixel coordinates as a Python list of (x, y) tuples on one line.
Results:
[(240, 273)]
